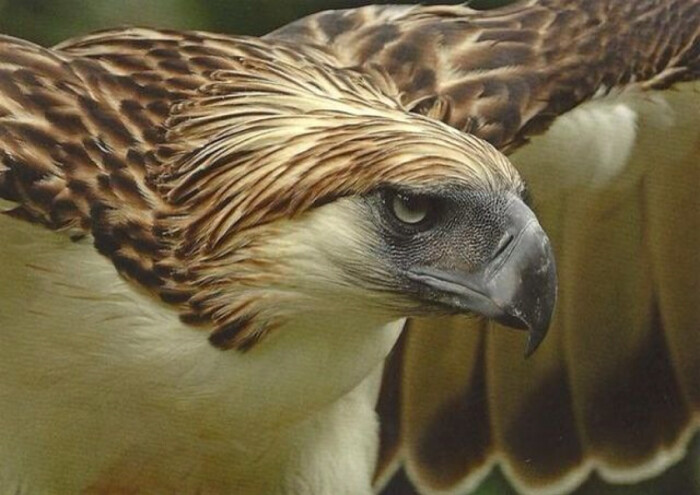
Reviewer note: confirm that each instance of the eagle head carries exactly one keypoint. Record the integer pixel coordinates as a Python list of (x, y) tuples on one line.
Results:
[(299, 199)]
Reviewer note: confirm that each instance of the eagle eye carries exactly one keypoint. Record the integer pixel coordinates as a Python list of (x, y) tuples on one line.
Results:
[(410, 209)]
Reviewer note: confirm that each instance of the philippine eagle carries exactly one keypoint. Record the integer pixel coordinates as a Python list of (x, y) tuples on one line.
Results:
[(210, 245), (243, 224), (597, 103)]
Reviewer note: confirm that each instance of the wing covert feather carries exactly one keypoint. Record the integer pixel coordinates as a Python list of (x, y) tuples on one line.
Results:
[(507, 73)]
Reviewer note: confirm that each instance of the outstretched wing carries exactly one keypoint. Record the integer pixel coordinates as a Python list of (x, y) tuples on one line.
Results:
[(573, 91), (99, 137), (506, 74)]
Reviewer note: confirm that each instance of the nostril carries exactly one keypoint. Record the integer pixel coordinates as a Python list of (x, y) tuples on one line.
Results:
[(503, 244)]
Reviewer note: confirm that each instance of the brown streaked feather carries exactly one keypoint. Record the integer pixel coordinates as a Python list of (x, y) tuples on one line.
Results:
[(178, 150), (506, 74), (270, 140), (628, 396)]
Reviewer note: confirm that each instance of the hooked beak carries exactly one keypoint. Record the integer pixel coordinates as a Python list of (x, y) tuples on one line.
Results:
[(516, 287)]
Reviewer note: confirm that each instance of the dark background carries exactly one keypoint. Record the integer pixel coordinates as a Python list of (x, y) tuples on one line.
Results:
[(50, 21)]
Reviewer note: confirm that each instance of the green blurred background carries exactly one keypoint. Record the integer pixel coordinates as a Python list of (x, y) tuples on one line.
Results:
[(49, 21)]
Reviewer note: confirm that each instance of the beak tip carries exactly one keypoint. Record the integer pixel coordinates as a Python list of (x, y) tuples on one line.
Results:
[(539, 326), (534, 339)]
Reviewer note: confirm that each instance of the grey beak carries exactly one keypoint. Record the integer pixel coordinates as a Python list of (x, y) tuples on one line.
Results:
[(517, 287)]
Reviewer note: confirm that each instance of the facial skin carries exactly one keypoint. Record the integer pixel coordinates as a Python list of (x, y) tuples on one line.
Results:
[(461, 250)]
